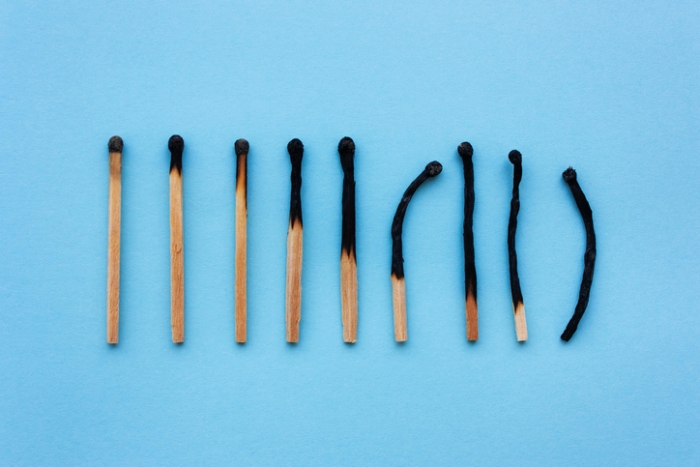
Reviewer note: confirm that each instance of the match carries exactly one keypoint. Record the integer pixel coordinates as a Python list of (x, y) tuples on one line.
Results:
[(177, 264), (348, 256), (115, 146), (241, 147), (295, 243), (518, 307), (466, 151)]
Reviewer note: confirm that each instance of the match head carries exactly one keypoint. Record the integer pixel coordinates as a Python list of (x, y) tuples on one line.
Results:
[(465, 150), (569, 175), (346, 149), (433, 169), (176, 144), (241, 146), (515, 157), (296, 149), (115, 144)]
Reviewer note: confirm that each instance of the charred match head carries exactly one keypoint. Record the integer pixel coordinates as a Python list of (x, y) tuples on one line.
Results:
[(176, 145), (569, 175), (295, 148), (241, 146), (115, 144), (296, 152), (346, 149), (465, 150), (433, 169), (515, 157)]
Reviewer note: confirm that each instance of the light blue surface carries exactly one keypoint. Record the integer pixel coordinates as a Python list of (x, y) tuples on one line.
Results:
[(611, 88)]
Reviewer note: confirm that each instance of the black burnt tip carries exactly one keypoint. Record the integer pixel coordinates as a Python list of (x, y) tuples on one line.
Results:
[(569, 175), (176, 144), (296, 149), (346, 147), (515, 157), (434, 168), (241, 146), (465, 150), (116, 144)]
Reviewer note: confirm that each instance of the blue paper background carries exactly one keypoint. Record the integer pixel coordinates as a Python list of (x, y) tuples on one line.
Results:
[(608, 87)]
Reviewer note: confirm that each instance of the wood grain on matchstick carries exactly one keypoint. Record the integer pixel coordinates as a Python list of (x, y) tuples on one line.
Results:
[(398, 289), (295, 245), (348, 298)]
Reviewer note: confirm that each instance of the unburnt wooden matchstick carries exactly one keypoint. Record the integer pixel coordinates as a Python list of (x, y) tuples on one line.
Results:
[(295, 235), (569, 176), (398, 285), (518, 307), (466, 151), (348, 256), (241, 146), (115, 146), (177, 264)]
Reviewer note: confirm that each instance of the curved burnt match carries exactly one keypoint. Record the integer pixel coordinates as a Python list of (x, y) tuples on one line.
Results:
[(570, 178), (241, 148), (295, 235), (115, 146), (397, 278), (348, 255), (176, 145), (466, 152), (518, 307)]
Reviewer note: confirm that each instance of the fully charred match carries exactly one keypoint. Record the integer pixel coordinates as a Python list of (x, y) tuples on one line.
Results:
[(295, 235), (115, 146), (397, 277), (177, 264), (348, 258), (241, 147), (466, 152), (518, 307), (569, 176)]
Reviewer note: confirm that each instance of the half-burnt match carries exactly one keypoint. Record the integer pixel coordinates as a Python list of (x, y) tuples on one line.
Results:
[(295, 243), (176, 145), (348, 256), (518, 307), (115, 146), (241, 147), (398, 284), (466, 152)]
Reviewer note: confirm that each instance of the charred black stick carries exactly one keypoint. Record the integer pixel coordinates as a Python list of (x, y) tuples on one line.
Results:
[(518, 307), (466, 152), (295, 235)]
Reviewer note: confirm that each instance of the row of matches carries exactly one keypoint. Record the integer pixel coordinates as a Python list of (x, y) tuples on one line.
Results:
[(348, 258)]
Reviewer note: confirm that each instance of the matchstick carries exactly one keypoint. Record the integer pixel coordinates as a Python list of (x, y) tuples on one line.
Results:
[(348, 256), (115, 146), (241, 147), (466, 152), (295, 235), (398, 286), (518, 307), (570, 178), (177, 265)]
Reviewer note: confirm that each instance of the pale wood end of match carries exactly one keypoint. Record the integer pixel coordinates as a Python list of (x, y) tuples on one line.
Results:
[(293, 295), (241, 251), (113, 246), (520, 323), (348, 296), (398, 289), (177, 265), (472, 318)]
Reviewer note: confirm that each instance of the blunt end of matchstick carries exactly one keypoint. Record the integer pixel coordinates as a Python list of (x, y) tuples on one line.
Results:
[(241, 146), (176, 144), (569, 176), (465, 150), (115, 144), (434, 168), (295, 148), (515, 157)]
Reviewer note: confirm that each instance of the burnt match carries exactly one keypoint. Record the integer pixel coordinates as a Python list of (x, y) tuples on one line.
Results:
[(177, 264), (466, 152), (348, 257), (241, 147), (570, 178), (115, 146), (518, 307), (295, 235), (398, 284)]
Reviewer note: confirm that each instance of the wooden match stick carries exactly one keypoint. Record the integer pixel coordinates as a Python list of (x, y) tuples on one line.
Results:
[(295, 235), (115, 146), (466, 152), (518, 307), (398, 286), (348, 256), (241, 147), (569, 176), (177, 264)]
